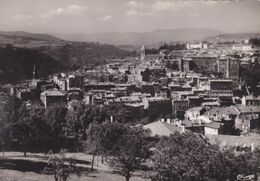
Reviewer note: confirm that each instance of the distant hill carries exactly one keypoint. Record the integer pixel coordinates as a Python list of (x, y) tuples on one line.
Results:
[(147, 38), (237, 37), (25, 39), (20, 51)]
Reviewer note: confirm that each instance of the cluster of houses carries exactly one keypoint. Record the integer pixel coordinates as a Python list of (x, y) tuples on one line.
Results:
[(198, 89)]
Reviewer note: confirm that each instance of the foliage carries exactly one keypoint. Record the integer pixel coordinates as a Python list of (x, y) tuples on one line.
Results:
[(6, 115), (58, 168), (77, 54), (17, 64), (21, 129), (127, 145), (151, 51), (255, 41), (130, 151), (170, 47), (252, 77), (190, 157)]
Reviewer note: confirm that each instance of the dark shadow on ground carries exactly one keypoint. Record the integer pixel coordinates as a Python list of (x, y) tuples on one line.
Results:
[(23, 165), (33, 166)]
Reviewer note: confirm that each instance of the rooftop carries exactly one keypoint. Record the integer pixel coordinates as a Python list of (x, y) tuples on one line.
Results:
[(162, 128), (248, 109), (53, 92), (214, 125)]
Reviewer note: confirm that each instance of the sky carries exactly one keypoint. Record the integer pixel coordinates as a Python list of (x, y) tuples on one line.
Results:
[(92, 16)]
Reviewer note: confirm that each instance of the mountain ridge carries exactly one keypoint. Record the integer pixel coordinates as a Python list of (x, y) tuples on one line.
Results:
[(147, 38)]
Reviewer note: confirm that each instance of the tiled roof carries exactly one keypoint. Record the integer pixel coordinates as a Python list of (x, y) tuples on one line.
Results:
[(162, 128), (248, 109), (214, 125), (53, 92)]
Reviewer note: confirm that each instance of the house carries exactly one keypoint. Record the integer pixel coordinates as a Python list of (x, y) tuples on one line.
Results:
[(248, 122), (24, 94), (251, 100), (193, 114), (248, 118), (179, 107), (53, 97), (228, 67), (161, 104), (99, 86), (213, 128), (162, 128)]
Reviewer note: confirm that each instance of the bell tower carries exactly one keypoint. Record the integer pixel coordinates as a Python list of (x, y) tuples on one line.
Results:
[(142, 52)]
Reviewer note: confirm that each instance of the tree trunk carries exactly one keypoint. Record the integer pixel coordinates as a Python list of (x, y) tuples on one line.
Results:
[(24, 151), (3, 148), (102, 159), (92, 162), (127, 176)]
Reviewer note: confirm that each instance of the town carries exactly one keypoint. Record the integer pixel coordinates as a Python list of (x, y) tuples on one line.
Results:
[(199, 88), (134, 90)]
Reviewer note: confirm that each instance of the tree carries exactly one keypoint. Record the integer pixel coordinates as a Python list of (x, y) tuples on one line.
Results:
[(40, 128), (93, 143), (190, 157), (6, 116), (130, 151), (58, 168), (21, 129)]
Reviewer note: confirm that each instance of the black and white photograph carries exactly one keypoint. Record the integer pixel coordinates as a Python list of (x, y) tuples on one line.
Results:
[(129, 90)]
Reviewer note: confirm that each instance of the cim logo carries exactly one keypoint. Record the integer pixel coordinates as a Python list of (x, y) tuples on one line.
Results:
[(244, 178)]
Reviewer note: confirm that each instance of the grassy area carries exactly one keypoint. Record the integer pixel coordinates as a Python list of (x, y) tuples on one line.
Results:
[(15, 167)]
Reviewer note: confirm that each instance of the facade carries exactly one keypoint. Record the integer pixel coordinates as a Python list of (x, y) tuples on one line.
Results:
[(99, 86), (251, 100), (53, 98), (221, 88), (228, 67), (199, 45), (163, 105), (179, 107), (24, 94), (242, 47), (204, 62), (213, 128)]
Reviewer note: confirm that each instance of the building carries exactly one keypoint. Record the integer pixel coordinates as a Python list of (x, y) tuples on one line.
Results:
[(228, 67), (150, 88), (75, 81), (53, 97), (242, 47), (160, 104), (248, 122), (204, 62), (251, 100), (179, 108), (24, 94), (193, 114), (163, 128), (199, 45), (213, 128), (221, 87), (99, 86), (142, 53)]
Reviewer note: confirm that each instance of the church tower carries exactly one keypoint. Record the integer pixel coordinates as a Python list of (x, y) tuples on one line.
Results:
[(142, 53)]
